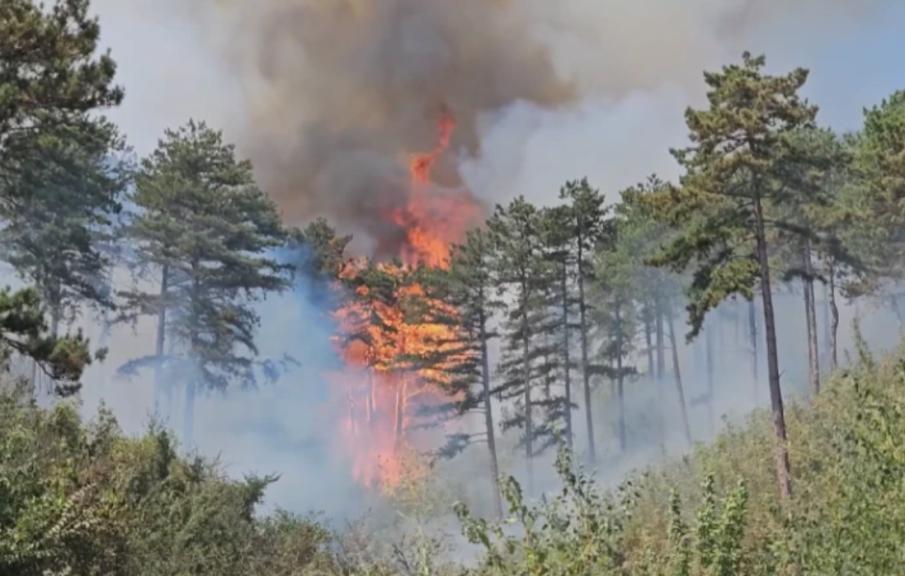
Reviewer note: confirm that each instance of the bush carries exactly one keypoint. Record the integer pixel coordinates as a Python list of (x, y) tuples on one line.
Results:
[(82, 498)]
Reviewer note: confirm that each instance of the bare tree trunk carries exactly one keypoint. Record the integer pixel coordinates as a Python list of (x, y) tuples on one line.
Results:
[(834, 323), (781, 450), (488, 422), (169, 391), (188, 417), (566, 355), (661, 341), (648, 338), (398, 410), (620, 379), (679, 389), (811, 307), (813, 378), (526, 382), (711, 387), (161, 339), (585, 373), (188, 421), (752, 332), (827, 326)]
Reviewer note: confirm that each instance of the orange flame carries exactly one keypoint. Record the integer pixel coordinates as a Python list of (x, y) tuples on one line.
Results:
[(382, 388), (433, 218)]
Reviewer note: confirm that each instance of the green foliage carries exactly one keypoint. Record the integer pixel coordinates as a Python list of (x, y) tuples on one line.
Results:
[(718, 513), (202, 218), (526, 276), (48, 68), (23, 332), (740, 164), (876, 198), (466, 298), (69, 183), (84, 499)]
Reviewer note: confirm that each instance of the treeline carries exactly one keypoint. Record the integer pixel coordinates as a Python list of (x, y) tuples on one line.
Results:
[(578, 294), (586, 292)]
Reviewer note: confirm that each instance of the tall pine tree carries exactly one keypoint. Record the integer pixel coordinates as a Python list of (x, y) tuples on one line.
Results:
[(524, 276), (468, 293), (589, 228), (736, 169), (207, 229)]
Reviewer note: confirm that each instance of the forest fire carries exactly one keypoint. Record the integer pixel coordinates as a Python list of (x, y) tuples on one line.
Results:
[(384, 385)]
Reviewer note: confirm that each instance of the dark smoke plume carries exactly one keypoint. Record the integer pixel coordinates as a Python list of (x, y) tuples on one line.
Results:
[(337, 92)]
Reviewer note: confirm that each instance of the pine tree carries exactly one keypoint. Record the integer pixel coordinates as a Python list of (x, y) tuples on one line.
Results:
[(468, 292), (615, 323), (525, 276), (656, 290), (877, 235), (205, 226), (50, 73), (50, 81), (71, 183), (736, 168), (588, 230), (556, 238), (318, 254)]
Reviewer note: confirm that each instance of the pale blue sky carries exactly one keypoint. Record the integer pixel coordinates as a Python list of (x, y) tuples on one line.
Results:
[(859, 68)]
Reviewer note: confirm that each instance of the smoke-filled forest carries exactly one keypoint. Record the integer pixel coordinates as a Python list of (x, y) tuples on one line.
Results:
[(695, 374)]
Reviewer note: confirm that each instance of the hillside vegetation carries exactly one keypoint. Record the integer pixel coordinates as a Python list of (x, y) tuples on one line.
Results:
[(586, 297), (82, 498)]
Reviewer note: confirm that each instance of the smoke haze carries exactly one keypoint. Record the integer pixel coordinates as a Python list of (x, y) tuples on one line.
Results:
[(329, 97)]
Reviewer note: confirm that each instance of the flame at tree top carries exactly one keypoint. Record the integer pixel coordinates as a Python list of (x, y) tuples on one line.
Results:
[(434, 218), (382, 388)]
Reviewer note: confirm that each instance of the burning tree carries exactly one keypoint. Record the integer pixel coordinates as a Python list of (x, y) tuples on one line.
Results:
[(391, 333)]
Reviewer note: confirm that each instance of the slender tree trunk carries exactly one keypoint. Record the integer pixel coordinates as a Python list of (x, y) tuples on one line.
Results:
[(488, 421), (827, 328), (548, 372), (679, 389), (55, 321), (398, 410), (813, 375), (811, 307), (169, 391), (526, 382), (585, 373), (752, 333), (161, 339), (648, 339), (620, 378), (711, 387), (783, 466), (188, 422), (661, 343), (33, 381), (834, 315), (350, 403), (567, 369)]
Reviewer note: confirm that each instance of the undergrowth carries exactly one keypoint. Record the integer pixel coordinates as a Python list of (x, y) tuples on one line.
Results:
[(82, 498)]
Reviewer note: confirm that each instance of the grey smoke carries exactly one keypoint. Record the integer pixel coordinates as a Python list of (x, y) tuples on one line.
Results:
[(328, 107)]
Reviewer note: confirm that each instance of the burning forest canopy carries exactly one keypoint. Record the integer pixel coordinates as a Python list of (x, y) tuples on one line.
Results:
[(361, 111), (387, 383)]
